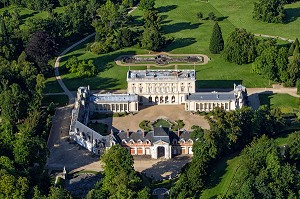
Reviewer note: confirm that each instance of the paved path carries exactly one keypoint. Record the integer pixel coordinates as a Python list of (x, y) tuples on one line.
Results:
[(275, 37), (56, 67)]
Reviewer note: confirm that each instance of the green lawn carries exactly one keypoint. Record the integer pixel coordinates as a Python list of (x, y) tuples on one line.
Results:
[(286, 102), (221, 176), (191, 36), (162, 123)]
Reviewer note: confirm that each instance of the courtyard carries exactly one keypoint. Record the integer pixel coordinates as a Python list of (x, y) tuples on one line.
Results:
[(152, 113)]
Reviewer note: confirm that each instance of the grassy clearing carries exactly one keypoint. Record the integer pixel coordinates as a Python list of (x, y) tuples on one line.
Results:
[(58, 100), (221, 176), (286, 102), (239, 13)]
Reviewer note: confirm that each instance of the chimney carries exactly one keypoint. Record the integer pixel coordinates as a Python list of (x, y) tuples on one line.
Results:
[(127, 132), (178, 133)]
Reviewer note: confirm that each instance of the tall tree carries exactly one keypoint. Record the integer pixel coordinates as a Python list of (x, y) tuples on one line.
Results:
[(147, 4), (216, 44), (40, 49), (271, 11), (152, 39), (240, 47)]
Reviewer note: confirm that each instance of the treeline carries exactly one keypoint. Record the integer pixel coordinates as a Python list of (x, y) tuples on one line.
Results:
[(271, 11), (24, 129), (41, 37), (229, 131), (267, 171), (269, 59), (115, 29)]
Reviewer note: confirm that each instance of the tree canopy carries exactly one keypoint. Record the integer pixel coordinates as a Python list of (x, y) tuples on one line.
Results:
[(216, 44), (271, 11), (240, 47)]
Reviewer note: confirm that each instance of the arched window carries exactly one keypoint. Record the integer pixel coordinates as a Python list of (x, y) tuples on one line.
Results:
[(124, 141), (147, 142), (174, 141), (150, 99), (131, 142), (139, 142)]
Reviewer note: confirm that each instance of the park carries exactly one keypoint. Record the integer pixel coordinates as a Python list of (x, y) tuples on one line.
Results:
[(187, 28)]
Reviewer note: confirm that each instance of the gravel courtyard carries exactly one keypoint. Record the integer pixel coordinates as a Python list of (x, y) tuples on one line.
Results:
[(152, 113)]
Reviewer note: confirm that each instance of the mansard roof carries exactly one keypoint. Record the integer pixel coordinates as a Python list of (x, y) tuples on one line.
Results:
[(159, 133)]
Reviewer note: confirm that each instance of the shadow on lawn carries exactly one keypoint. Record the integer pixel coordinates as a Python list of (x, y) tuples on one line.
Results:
[(179, 43), (292, 14), (24, 17), (167, 8), (217, 171), (176, 27), (220, 84)]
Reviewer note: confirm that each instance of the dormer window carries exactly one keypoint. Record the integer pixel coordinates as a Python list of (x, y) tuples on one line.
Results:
[(131, 142), (124, 142), (147, 142), (139, 142)]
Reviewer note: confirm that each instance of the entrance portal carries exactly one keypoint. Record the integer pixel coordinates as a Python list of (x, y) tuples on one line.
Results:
[(160, 151)]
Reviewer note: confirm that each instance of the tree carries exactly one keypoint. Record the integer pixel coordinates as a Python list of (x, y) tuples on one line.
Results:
[(216, 44), (293, 145), (40, 49), (83, 68), (58, 193), (266, 65), (120, 179), (271, 11), (212, 16), (147, 4), (152, 39), (298, 86), (240, 47), (151, 19)]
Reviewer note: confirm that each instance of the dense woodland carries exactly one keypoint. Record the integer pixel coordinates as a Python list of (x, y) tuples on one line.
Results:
[(27, 50)]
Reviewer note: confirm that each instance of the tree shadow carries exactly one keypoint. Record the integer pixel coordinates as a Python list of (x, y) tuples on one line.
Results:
[(222, 18), (265, 98), (25, 16), (167, 8), (179, 43), (292, 14), (176, 27), (80, 184), (217, 84), (103, 62), (166, 21), (163, 17), (165, 169)]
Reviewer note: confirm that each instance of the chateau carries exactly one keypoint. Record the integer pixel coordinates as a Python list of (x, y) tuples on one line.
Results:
[(148, 87)]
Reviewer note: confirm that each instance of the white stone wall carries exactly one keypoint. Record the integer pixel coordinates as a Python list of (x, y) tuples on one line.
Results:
[(209, 105), (168, 92)]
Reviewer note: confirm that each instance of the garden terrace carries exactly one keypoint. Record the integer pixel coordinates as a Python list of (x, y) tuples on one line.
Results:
[(162, 59)]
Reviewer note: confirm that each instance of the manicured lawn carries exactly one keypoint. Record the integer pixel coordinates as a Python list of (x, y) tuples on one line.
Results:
[(221, 176), (191, 36), (286, 102), (239, 13), (52, 86), (162, 123), (58, 100)]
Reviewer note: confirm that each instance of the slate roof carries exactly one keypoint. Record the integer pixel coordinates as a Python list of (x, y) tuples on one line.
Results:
[(215, 96), (159, 133)]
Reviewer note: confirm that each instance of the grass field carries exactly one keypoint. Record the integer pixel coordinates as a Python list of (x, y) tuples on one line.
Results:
[(286, 102), (192, 36)]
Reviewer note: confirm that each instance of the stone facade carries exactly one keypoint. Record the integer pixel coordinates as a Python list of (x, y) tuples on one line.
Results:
[(148, 87), (165, 87)]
